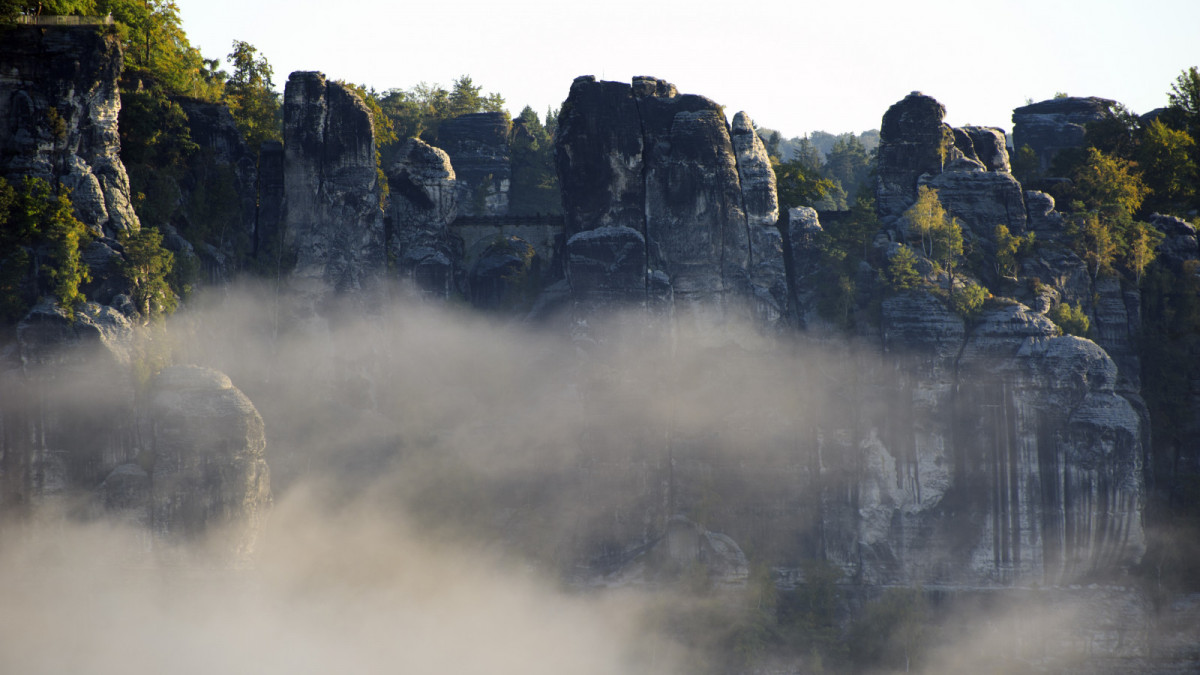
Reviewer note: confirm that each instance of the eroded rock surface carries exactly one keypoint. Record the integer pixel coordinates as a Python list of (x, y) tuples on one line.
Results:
[(59, 103), (206, 456), (1056, 124), (642, 161), (477, 144), (333, 225), (424, 201)]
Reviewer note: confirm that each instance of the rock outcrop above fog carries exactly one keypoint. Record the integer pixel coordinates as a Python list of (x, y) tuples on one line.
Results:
[(477, 144), (660, 205), (424, 201), (59, 104), (1057, 124), (206, 463), (333, 225)]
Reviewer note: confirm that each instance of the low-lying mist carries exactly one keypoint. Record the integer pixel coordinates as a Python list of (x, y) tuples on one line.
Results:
[(456, 492)]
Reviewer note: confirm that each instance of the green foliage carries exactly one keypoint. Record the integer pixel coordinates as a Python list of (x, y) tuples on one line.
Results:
[(848, 163), (534, 183), (40, 248), (1116, 134), (1071, 319), (1166, 158), (157, 51), (901, 272), (385, 134), (844, 244), (146, 267), (797, 184), (1026, 167), (419, 111), (250, 95), (1107, 183), (1008, 248), (967, 300), (939, 233), (1184, 97), (1092, 239)]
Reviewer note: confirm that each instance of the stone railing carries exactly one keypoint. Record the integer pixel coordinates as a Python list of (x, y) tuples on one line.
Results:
[(59, 20)]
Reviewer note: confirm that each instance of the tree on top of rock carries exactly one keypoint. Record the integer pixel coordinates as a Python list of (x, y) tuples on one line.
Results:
[(250, 95), (939, 233)]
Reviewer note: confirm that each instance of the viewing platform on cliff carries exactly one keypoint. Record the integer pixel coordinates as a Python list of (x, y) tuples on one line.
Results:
[(62, 20)]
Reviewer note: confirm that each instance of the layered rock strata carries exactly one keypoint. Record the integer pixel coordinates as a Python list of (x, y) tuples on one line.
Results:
[(477, 144), (1057, 124), (333, 226), (656, 199), (424, 201), (59, 103)]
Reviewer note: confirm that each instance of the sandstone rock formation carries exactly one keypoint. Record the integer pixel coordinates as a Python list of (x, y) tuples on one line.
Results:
[(59, 104), (477, 144), (206, 444), (332, 220), (653, 191), (913, 141), (1056, 124), (424, 201), (223, 160)]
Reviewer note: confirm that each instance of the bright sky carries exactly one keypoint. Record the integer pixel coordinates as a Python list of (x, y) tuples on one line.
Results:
[(833, 65)]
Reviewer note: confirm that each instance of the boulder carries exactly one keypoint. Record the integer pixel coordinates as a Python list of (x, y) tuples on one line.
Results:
[(207, 467)]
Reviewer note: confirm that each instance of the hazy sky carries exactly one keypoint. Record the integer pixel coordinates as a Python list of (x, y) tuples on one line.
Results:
[(793, 66)]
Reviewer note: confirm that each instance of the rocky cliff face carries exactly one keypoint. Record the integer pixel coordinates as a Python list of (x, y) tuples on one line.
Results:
[(223, 161), (1056, 124), (477, 144), (655, 203), (333, 225), (206, 466), (424, 201), (913, 141), (59, 104)]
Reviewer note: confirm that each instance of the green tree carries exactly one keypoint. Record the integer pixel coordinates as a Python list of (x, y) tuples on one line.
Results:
[(534, 186), (901, 272), (1026, 167), (157, 51), (1108, 184), (40, 248), (250, 95), (146, 267), (848, 163), (1165, 157), (1072, 320), (799, 185), (1140, 248), (1184, 98), (1094, 242)]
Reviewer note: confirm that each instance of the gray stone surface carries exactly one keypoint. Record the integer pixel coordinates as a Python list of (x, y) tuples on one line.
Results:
[(70, 73), (913, 141), (424, 201), (644, 159), (206, 444), (477, 144), (333, 224), (1056, 124)]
